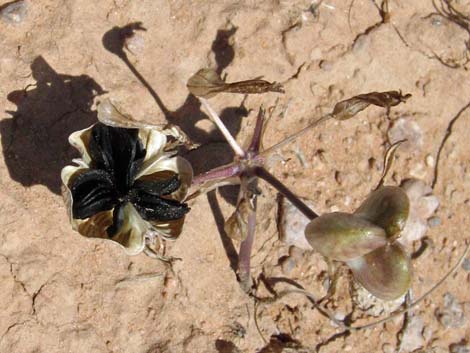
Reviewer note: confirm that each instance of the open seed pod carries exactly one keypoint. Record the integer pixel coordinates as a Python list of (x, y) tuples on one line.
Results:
[(343, 236), (205, 83), (387, 207), (385, 272), (125, 184)]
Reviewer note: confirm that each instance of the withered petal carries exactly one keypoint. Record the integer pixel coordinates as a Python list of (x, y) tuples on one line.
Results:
[(169, 229), (92, 192), (118, 220)]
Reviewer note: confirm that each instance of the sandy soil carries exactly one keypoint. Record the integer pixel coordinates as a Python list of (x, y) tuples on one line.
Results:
[(60, 292)]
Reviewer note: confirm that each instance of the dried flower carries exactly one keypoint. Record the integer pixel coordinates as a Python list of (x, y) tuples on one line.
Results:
[(126, 184)]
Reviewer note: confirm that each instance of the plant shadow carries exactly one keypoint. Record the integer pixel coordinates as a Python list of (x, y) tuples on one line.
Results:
[(34, 139)]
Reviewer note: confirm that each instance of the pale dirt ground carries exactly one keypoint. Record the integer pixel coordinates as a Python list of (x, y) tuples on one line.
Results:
[(60, 292)]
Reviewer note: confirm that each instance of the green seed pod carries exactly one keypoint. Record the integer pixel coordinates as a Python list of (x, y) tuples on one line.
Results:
[(343, 236), (387, 207), (385, 272)]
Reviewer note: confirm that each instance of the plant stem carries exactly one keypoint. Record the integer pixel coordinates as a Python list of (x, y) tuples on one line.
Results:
[(258, 133), (296, 135), (298, 203), (223, 129), (244, 256), (223, 172)]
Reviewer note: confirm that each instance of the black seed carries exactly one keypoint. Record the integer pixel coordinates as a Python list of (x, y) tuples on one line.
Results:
[(100, 147), (118, 151), (154, 208), (92, 192), (158, 188)]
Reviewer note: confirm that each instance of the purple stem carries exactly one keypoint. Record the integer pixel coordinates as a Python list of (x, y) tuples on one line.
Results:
[(257, 135), (225, 171), (244, 256)]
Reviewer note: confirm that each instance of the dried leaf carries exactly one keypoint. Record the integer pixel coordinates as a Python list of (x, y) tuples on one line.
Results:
[(388, 161), (236, 226), (348, 108), (254, 86), (110, 115), (180, 138), (207, 83)]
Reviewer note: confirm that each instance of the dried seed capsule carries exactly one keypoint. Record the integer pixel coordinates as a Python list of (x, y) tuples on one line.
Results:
[(343, 236), (207, 83), (387, 207), (346, 109), (385, 272), (126, 185)]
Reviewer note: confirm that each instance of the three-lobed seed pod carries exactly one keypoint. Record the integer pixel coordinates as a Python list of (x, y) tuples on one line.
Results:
[(366, 241)]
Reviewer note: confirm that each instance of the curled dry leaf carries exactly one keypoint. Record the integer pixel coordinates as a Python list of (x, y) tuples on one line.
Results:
[(207, 83), (348, 108), (236, 226), (110, 115)]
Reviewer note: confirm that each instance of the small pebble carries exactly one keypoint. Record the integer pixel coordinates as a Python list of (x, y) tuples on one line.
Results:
[(296, 253), (292, 225), (466, 264), (406, 128), (387, 348), (436, 349), (423, 204), (14, 12), (339, 177), (436, 21), (452, 315), (326, 65), (371, 305), (287, 264), (412, 339), (135, 44), (360, 43), (430, 161), (434, 221), (427, 333)]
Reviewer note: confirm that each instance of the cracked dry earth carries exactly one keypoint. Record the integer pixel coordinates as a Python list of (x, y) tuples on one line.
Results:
[(60, 292)]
